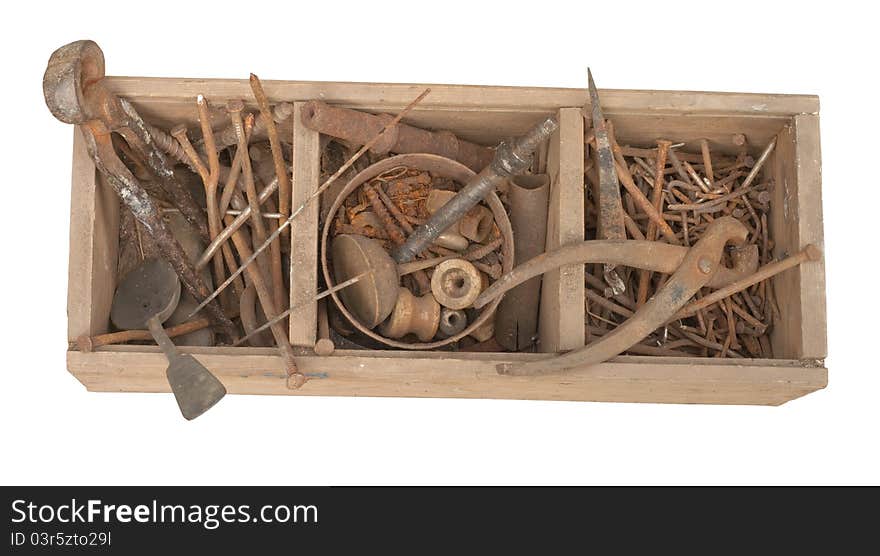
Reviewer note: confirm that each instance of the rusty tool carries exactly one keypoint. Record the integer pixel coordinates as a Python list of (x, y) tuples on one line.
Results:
[(358, 127), (75, 93), (698, 266), (649, 255), (511, 157), (327, 183), (808, 253), (516, 323), (284, 187), (609, 202), (147, 296)]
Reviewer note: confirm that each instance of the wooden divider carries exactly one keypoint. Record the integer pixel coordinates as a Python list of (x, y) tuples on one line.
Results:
[(561, 324), (304, 232)]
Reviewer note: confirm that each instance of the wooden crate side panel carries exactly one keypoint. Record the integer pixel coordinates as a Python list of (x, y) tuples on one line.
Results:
[(628, 380), (796, 221), (304, 233), (642, 129), (464, 97), (94, 239), (561, 321), (808, 175)]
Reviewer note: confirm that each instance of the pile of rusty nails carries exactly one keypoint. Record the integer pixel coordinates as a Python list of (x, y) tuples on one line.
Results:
[(673, 196)]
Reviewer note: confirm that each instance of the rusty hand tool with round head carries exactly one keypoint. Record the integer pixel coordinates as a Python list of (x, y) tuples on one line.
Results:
[(696, 269), (75, 93), (147, 296)]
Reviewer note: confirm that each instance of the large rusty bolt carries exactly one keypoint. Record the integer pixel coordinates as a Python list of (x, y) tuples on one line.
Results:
[(71, 69)]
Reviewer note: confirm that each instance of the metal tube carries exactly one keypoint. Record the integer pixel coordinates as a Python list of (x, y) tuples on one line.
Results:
[(358, 127), (516, 323)]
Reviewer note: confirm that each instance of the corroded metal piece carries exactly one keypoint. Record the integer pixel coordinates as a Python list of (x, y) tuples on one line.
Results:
[(357, 127), (373, 297), (437, 166), (609, 203), (648, 255), (75, 93), (147, 296), (700, 263), (511, 158)]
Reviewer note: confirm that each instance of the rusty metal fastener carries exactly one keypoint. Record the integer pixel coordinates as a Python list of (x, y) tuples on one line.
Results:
[(511, 158), (358, 127), (284, 187), (235, 107), (280, 114), (657, 201), (697, 267)]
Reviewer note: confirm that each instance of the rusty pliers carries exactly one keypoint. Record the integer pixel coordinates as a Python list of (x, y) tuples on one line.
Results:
[(693, 267), (76, 93)]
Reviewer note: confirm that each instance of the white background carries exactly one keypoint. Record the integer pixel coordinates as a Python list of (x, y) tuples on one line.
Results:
[(54, 432)]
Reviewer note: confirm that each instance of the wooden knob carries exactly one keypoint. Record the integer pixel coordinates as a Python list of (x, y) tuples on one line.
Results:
[(456, 283), (411, 314)]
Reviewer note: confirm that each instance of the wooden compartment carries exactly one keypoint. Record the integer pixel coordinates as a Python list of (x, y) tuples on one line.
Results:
[(482, 114)]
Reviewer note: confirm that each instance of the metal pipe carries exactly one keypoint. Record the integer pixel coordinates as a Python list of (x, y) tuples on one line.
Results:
[(516, 323), (358, 127)]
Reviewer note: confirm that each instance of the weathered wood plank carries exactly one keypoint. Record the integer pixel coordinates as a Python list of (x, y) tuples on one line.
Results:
[(94, 239), (796, 221), (463, 97), (561, 322), (304, 233), (658, 380)]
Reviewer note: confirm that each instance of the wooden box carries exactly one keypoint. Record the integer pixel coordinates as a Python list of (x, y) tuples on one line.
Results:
[(483, 114)]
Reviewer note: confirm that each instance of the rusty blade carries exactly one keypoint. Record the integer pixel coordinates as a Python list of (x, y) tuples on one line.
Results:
[(611, 224)]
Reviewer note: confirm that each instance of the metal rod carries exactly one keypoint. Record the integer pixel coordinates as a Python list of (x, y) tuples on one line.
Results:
[(511, 158)]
